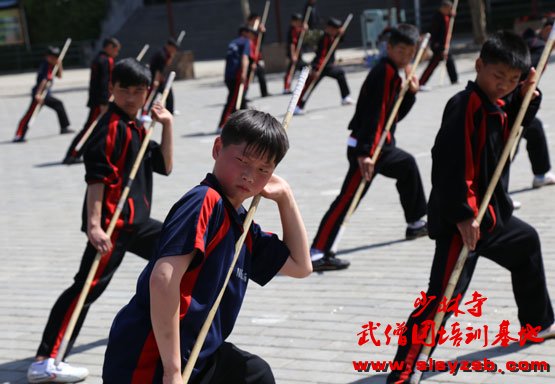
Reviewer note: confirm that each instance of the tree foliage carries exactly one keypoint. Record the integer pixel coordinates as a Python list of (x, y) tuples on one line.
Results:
[(55, 20)]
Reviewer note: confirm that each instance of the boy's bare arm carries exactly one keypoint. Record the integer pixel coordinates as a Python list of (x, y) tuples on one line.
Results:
[(163, 116), (164, 311), (97, 236), (298, 263)]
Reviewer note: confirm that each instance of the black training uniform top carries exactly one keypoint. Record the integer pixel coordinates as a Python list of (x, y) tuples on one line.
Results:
[(467, 149), (438, 31), (101, 76), (109, 157), (377, 97), (159, 61), (324, 45)]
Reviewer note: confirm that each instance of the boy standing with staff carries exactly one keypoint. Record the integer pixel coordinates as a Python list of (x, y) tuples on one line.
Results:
[(474, 131), (109, 157), (377, 97), (152, 337)]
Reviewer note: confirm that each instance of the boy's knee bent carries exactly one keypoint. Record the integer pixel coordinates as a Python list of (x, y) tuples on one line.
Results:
[(259, 371)]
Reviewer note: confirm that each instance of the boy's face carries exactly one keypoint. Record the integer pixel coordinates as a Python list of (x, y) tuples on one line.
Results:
[(332, 30), (297, 23), (52, 60), (112, 50), (401, 54), (129, 99), (241, 175), (496, 80)]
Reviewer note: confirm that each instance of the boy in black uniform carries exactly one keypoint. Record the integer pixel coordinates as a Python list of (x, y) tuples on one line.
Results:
[(536, 142), (158, 65), (333, 31), (99, 92), (438, 42), (377, 97), (475, 127), (236, 68), (44, 80), (109, 157), (293, 35)]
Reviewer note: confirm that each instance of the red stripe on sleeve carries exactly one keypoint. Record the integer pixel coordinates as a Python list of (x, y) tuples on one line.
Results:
[(210, 200), (387, 96)]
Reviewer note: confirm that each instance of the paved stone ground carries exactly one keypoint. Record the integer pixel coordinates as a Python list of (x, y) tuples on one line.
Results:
[(307, 329)]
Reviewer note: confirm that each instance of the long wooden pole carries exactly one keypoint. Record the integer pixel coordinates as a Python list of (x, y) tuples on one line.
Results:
[(383, 137), (326, 59), (259, 41), (299, 44), (49, 83), (448, 41), (121, 203), (246, 226), (457, 270), (91, 127)]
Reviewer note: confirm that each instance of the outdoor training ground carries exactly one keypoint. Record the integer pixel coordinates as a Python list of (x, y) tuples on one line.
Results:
[(306, 329)]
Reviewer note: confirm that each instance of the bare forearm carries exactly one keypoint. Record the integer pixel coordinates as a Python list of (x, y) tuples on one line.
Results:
[(95, 193), (166, 146), (294, 235)]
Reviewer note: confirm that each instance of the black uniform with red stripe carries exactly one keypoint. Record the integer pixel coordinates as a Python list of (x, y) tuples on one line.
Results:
[(255, 59), (159, 63), (99, 94), (466, 151), (324, 46), (377, 97), (44, 74), (438, 41), (292, 39), (109, 157)]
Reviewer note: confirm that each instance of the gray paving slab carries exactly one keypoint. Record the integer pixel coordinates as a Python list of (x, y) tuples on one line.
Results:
[(306, 329)]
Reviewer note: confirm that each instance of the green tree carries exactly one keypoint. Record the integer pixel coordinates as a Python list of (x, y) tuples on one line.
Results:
[(54, 20)]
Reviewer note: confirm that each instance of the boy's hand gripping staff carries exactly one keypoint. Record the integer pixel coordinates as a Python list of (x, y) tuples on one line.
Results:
[(391, 118), (109, 231), (49, 83), (246, 225), (299, 44), (91, 127), (448, 41), (318, 73), (454, 278)]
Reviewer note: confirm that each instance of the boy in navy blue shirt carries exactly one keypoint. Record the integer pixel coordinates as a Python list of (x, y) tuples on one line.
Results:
[(151, 338), (474, 130), (44, 76), (109, 158), (236, 68)]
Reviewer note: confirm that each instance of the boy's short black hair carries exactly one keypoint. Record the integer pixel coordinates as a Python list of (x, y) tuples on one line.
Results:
[(253, 16), (53, 51), (335, 23), (262, 133), (446, 3), (172, 42), (111, 41), (296, 16), (129, 72), (404, 34), (506, 48)]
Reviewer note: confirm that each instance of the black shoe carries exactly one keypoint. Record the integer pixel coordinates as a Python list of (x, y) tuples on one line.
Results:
[(329, 263), (414, 233), (71, 160), (66, 130), (18, 139)]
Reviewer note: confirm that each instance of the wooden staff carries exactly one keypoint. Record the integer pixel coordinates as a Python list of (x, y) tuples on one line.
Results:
[(49, 82), (326, 59), (91, 127), (457, 270), (448, 41), (259, 41), (246, 226), (121, 203), (299, 44), (383, 137)]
